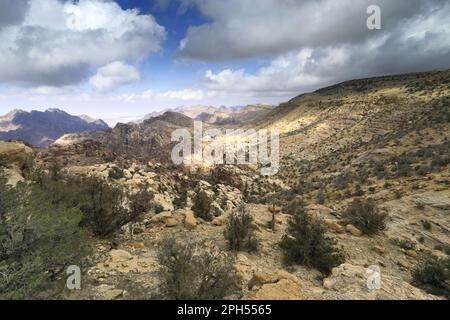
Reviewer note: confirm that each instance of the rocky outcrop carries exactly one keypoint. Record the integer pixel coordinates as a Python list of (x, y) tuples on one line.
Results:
[(351, 282)]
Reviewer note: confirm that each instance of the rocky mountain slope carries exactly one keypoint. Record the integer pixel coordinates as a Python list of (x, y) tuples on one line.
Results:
[(148, 140), (41, 129), (384, 138)]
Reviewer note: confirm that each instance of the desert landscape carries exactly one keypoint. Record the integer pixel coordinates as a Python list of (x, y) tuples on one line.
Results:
[(364, 164), (242, 154)]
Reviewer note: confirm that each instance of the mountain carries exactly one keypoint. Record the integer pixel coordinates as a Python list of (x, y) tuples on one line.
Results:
[(368, 160), (41, 129), (220, 115), (150, 139)]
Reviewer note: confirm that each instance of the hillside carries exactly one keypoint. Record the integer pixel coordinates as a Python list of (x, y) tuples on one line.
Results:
[(383, 142), (41, 129)]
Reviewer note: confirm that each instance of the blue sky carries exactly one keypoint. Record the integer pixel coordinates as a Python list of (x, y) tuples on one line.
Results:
[(122, 59)]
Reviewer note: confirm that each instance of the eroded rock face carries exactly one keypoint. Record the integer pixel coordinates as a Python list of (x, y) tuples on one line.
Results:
[(351, 282)]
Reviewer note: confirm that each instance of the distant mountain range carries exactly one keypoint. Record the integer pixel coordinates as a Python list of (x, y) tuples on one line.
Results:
[(41, 129), (219, 115)]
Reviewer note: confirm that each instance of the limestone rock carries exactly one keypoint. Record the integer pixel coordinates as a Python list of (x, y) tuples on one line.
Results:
[(189, 219), (351, 282), (163, 201), (282, 290), (353, 230), (171, 222), (334, 225)]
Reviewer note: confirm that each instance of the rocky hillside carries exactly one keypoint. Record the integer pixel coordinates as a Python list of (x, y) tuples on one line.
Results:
[(150, 139), (41, 129), (372, 150)]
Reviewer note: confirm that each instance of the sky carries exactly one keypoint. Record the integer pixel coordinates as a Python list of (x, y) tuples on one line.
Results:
[(126, 58)]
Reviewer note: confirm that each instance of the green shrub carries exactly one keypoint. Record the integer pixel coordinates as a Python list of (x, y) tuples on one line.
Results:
[(181, 201), (433, 275), (426, 225), (305, 243), (105, 207), (191, 272), (365, 215), (38, 241), (321, 197), (116, 173), (239, 232), (202, 206)]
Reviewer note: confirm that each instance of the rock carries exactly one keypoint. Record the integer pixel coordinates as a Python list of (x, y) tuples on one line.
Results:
[(438, 200), (189, 219), (171, 222), (13, 175), (411, 253), (334, 226), (320, 209), (262, 277), (282, 290), (351, 282), (108, 292), (277, 209), (353, 230), (138, 245), (161, 217), (163, 201), (119, 255), (220, 221), (216, 210), (138, 230), (379, 249)]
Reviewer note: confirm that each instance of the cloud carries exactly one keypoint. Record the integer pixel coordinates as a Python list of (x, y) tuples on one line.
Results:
[(182, 95), (186, 94), (420, 43), (12, 12), (245, 29), (59, 43), (114, 75)]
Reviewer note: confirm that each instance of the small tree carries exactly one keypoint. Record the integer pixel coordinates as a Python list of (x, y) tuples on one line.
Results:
[(202, 206), (320, 197), (433, 275), (305, 243), (191, 272), (239, 232), (365, 215)]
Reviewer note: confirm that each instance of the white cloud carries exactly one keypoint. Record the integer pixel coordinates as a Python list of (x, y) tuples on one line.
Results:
[(48, 91), (58, 43), (186, 94), (114, 75), (243, 28), (182, 95), (419, 44)]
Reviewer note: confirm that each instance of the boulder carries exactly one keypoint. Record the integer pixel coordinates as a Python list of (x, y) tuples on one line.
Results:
[(119, 256), (189, 219), (163, 201), (282, 290), (220, 221), (351, 282), (161, 217), (334, 226), (354, 231), (171, 222)]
